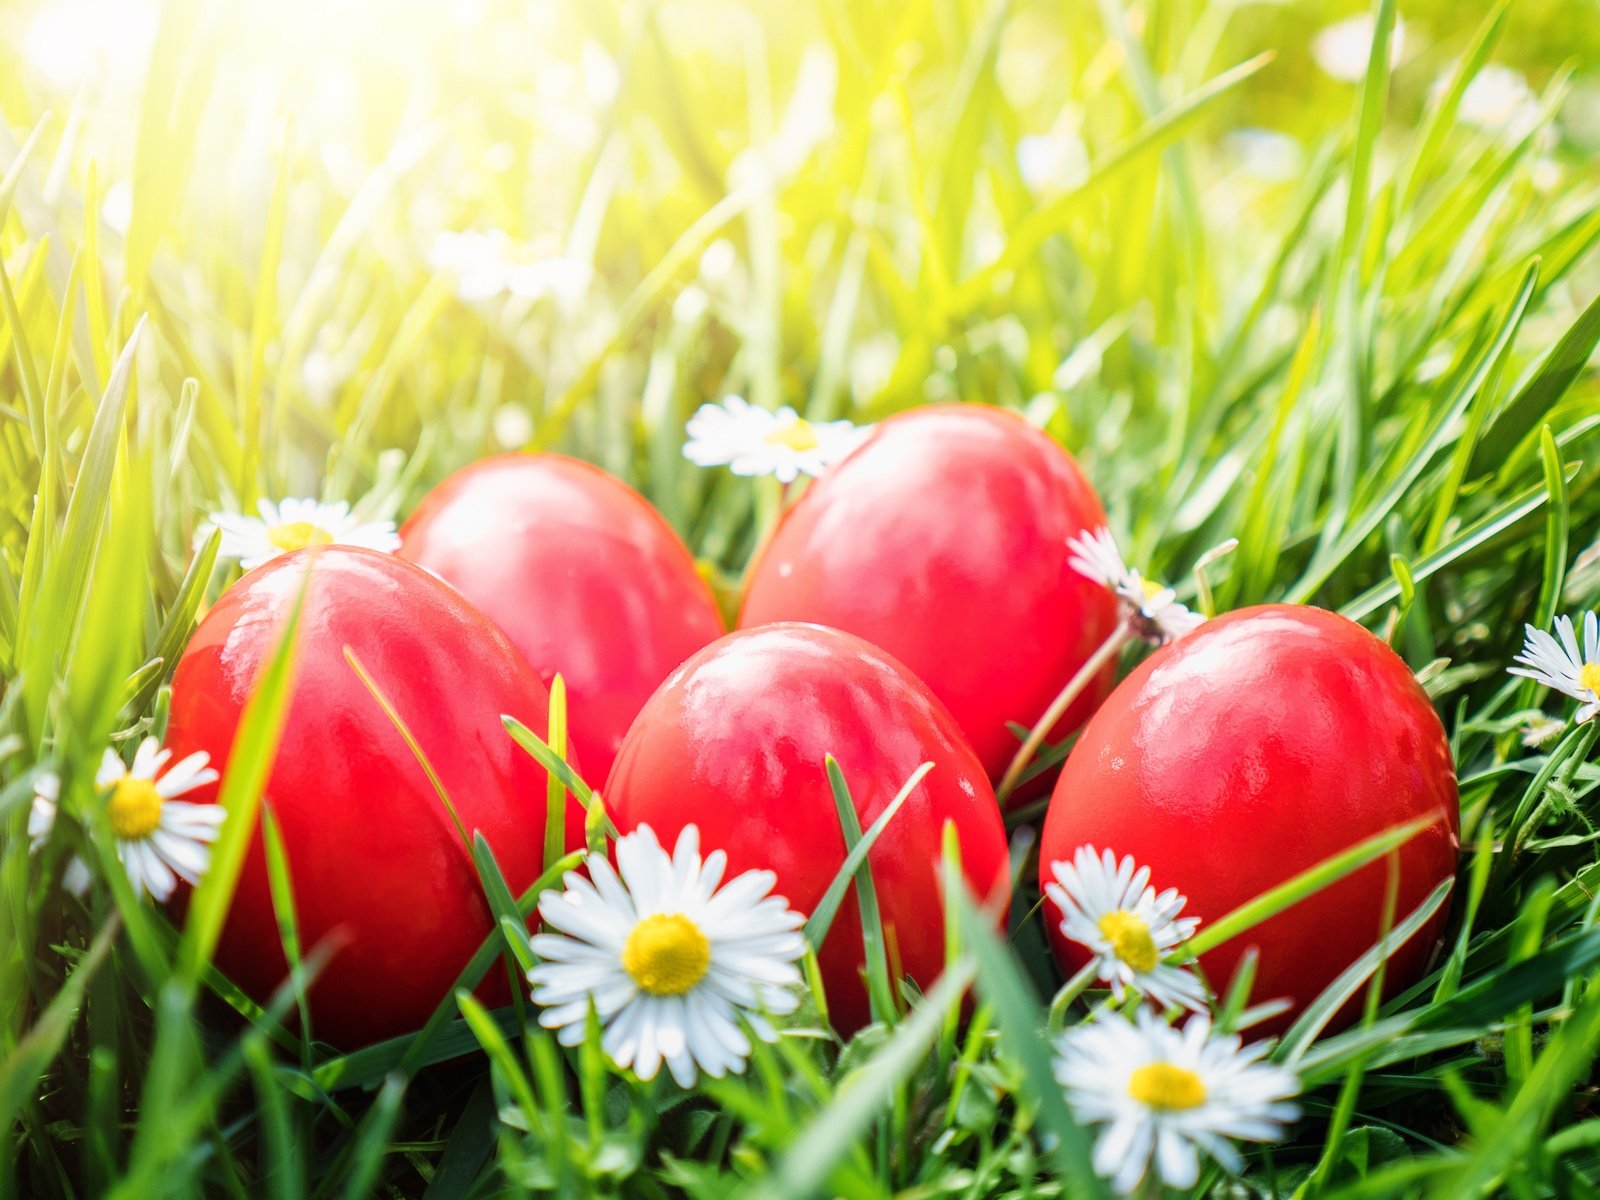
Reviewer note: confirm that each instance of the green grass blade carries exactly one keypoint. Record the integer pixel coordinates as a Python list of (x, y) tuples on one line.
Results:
[(880, 984), (255, 746), (1306, 883), (821, 919)]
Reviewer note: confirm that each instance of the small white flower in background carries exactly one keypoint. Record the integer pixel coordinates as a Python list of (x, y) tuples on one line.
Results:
[(718, 261), (42, 819), (1562, 665), (42, 816), (1342, 49), (1152, 610), (1110, 908), (513, 426), (1267, 154), (1051, 160), (1547, 174), (292, 524), (753, 441), (691, 305), (160, 839), (675, 967), (1498, 98), (1167, 1094), (116, 209), (480, 262), (489, 264), (565, 280)]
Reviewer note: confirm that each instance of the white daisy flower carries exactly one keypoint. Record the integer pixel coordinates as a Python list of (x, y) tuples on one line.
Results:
[(1560, 665), (676, 969), (752, 441), (160, 839), (291, 524), (1165, 1095), (1342, 49), (1151, 609), (1110, 908), (42, 819)]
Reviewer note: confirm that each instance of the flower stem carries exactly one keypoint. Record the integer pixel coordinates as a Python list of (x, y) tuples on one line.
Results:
[(1109, 648)]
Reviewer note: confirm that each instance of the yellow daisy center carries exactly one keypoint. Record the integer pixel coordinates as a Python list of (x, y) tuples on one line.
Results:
[(1151, 588), (295, 534), (1166, 1087), (1130, 939), (797, 435), (135, 808), (666, 954), (1589, 677)]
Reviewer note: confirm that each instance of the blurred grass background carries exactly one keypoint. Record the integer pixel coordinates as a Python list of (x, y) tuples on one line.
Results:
[(851, 207)]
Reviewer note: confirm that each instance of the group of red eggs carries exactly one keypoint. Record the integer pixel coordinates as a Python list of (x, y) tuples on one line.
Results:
[(912, 605)]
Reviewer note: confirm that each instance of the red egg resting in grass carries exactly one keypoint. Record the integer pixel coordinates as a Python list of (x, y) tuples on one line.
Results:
[(585, 577), (1267, 741), (943, 539), (377, 863), (735, 742)]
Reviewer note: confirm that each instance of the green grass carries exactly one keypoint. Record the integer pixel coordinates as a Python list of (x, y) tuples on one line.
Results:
[(1372, 373)]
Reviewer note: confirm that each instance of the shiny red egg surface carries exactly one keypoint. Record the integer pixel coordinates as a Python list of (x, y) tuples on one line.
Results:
[(735, 742), (1262, 744), (943, 539), (377, 864), (584, 576)]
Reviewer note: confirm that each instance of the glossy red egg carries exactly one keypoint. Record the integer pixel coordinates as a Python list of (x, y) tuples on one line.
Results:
[(584, 576), (735, 743), (943, 539), (376, 861), (1267, 741)]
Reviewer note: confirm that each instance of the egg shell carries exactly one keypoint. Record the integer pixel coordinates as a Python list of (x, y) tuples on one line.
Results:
[(943, 539), (735, 742), (378, 866), (1264, 743), (585, 577)]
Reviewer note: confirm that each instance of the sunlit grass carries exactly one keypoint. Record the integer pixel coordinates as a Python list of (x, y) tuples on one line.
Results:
[(1355, 341)]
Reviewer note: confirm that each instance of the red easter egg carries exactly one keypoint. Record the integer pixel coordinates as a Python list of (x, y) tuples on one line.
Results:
[(376, 861), (1267, 741), (735, 743), (583, 575), (943, 539)]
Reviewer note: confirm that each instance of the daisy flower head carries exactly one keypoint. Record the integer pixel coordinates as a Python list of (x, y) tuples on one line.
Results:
[(42, 820), (676, 967), (1165, 1095), (750, 440), (291, 524), (1152, 610), (160, 839), (1558, 662), (1110, 908)]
